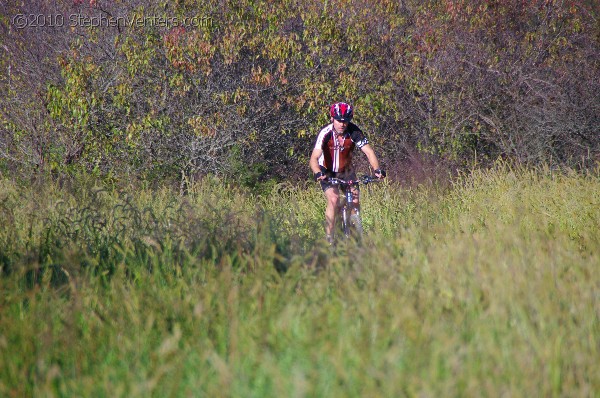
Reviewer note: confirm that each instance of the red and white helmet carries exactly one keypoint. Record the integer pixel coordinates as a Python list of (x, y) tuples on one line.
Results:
[(341, 111)]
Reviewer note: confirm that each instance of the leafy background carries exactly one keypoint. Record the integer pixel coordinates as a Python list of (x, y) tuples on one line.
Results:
[(244, 90)]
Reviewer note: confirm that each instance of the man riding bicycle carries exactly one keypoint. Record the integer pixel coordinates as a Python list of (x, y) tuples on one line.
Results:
[(332, 157)]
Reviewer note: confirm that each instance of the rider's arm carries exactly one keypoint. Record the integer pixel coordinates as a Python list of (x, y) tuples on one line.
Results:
[(373, 161), (314, 162), (368, 150)]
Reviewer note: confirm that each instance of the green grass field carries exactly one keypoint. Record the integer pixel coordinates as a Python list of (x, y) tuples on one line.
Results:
[(488, 287)]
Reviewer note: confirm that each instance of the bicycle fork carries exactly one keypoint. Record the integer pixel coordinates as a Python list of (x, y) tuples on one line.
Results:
[(346, 210)]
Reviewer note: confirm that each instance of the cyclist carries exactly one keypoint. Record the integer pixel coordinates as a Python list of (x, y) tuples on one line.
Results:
[(332, 157)]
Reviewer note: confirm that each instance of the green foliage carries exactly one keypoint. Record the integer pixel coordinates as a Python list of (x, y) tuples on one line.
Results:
[(153, 101), (246, 175), (487, 286)]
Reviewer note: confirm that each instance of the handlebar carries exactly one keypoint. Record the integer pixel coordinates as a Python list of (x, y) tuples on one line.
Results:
[(363, 180)]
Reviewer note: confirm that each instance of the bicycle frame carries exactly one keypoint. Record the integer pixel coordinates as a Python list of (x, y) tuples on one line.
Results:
[(349, 212)]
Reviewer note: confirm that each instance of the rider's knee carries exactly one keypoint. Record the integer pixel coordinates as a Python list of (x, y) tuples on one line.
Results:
[(332, 197), (332, 201)]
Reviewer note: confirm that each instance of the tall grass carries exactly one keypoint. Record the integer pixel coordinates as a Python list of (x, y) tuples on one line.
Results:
[(486, 288)]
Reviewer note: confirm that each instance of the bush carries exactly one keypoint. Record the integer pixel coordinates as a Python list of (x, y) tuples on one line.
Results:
[(459, 80)]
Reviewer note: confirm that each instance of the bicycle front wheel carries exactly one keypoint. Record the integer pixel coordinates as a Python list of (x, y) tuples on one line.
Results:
[(351, 224), (346, 224), (356, 228)]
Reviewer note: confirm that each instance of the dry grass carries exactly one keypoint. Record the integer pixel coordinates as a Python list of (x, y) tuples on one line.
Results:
[(489, 288)]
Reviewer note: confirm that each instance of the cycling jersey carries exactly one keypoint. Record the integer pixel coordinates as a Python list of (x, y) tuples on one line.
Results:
[(337, 150)]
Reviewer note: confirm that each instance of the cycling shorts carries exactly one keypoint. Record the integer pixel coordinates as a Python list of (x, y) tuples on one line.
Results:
[(344, 175)]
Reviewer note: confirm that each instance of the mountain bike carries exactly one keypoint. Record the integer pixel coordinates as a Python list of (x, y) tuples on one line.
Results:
[(348, 212)]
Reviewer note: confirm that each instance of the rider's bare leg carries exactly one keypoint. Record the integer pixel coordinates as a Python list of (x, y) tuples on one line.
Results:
[(355, 199), (332, 194)]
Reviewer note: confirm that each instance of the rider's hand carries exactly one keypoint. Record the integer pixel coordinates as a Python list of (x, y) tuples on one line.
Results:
[(320, 176), (380, 173)]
